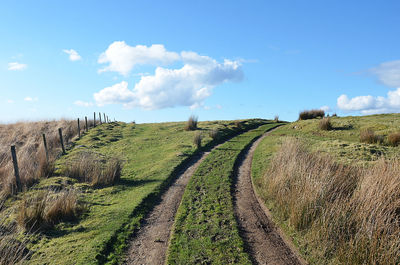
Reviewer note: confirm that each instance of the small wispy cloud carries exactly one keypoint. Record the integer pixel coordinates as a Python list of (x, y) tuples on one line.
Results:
[(31, 99), (10, 101), (73, 55), (16, 66), (83, 103)]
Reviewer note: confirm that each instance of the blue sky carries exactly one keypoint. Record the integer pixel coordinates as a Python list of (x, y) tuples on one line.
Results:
[(153, 61)]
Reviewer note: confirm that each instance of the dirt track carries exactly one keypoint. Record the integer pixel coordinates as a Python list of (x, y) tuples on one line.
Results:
[(263, 240), (150, 244)]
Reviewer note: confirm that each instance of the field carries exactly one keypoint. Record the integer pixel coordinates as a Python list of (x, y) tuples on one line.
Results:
[(335, 195), (150, 155), (333, 190)]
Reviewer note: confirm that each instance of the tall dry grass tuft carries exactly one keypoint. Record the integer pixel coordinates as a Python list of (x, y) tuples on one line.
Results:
[(325, 124), (191, 124), (347, 213), (89, 167), (311, 114), (276, 118), (12, 250), (27, 137), (197, 140), (44, 209), (369, 136), (214, 133), (394, 139)]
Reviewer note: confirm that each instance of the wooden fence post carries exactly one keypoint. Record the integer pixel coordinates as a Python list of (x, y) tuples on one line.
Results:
[(94, 119), (100, 117), (61, 140), (87, 128), (79, 130), (105, 118), (45, 147), (16, 170)]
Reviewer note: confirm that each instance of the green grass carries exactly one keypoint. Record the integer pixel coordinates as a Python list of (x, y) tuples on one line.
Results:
[(205, 230), (151, 154), (342, 143)]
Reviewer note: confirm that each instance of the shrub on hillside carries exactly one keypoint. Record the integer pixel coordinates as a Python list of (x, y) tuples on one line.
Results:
[(325, 124), (311, 114), (394, 139), (239, 124), (276, 118), (369, 136), (191, 124)]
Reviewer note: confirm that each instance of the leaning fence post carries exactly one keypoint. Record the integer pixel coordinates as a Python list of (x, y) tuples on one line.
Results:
[(45, 147), (100, 117), (94, 119), (16, 170), (87, 128), (61, 140), (79, 130)]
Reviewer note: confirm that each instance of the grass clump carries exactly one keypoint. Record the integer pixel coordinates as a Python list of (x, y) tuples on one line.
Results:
[(88, 167), (197, 140), (276, 118), (191, 124), (325, 124), (369, 136), (394, 139), (43, 210), (311, 114), (214, 133)]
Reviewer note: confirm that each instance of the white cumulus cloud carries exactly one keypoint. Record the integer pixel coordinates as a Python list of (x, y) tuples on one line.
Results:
[(122, 58), (31, 99), (388, 73), (325, 108), (189, 85), (369, 104), (15, 66), (83, 103), (73, 55)]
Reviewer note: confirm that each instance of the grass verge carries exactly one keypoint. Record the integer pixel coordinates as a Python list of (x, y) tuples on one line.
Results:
[(328, 196), (205, 229)]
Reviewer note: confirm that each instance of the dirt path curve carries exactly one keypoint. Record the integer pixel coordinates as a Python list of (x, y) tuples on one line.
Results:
[(150, 244), (264, 242)]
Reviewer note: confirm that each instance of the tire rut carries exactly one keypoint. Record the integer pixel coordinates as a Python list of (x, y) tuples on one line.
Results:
[(150, 244), (265, 243)]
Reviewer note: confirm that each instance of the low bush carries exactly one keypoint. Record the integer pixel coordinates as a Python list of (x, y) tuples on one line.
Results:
[(191, 124), (325, 124), (276, 118), (394, 139), (311, 114)]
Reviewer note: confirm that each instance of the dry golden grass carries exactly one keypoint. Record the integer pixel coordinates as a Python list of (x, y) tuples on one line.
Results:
[(325, 124), (27, 137), (369, 136), (349, 214), (89, 167), (191, 124), (213, 133), (394, 139), (44, 209)]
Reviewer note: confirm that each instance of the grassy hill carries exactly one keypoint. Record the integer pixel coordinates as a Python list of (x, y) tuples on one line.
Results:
[(77, 217), (334, 193)]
